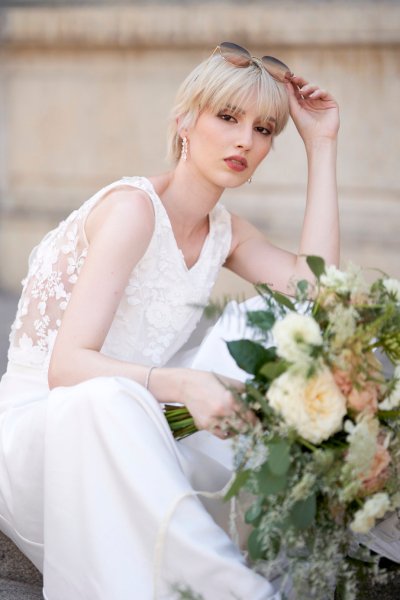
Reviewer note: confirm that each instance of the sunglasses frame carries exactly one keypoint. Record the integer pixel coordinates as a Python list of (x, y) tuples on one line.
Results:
[(278, 70)]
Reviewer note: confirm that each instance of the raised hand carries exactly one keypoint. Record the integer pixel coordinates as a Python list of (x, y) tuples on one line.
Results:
[(314, 111)]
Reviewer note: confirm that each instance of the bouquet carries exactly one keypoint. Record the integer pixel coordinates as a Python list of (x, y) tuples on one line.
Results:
[(322, 466)]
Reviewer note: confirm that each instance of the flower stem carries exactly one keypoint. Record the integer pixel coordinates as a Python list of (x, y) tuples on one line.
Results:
[(179, 420)]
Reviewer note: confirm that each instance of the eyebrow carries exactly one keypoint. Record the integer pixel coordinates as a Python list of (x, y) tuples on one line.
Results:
[(235, 108)]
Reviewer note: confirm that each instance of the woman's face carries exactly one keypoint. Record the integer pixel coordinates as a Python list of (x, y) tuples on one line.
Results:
[(227, 147)]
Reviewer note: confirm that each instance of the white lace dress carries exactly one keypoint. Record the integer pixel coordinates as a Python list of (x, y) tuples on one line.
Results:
[(93, 488)]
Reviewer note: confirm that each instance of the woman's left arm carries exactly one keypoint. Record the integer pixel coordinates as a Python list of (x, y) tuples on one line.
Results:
[(316, 117)]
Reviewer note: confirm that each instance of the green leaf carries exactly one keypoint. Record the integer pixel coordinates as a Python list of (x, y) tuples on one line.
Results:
[(275, 544), (389, 414), (303, 512), (249, 355), (316, 264), (279, 457), (238, 483), (254, 512), (262, 319), (272, 370), (254, 545), (263, 289), (302, 286), (269, 483), (282, 299), (256, 395)]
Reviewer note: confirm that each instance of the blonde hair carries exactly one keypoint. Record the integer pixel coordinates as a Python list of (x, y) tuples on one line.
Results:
[(216, 83)]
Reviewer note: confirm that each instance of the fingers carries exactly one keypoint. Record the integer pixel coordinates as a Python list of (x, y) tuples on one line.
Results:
[(239, 420), (217, 406), (303, 89)]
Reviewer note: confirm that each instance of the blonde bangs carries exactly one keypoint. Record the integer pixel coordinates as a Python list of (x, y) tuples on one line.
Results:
[(216, 84)]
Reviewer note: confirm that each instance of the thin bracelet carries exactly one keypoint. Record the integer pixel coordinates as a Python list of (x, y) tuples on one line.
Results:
[(146, 383)]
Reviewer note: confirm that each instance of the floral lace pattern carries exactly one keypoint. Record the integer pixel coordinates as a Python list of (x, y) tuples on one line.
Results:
[(161, 304)]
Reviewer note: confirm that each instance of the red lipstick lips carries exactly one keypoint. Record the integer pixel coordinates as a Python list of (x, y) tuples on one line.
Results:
[(236, 163)]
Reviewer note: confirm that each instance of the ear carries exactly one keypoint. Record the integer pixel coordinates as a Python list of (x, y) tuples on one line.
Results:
[(181, 129)]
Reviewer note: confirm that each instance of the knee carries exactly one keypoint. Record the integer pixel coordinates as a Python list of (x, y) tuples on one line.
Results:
[(99, 397)]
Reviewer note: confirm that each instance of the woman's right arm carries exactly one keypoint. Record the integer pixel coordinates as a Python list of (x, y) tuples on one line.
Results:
[(119, 232)]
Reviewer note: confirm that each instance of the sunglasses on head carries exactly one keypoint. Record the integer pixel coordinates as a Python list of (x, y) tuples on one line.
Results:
[(240, 57)]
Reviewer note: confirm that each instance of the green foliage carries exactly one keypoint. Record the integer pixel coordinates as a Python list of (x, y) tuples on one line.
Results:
[(254, 545), (250, 356), (269, 294), (255, 511), (279, 457), (261, 319), (317, 265), (184, 592), (270, 483), (238, 483), (272, 370), (303, 512)]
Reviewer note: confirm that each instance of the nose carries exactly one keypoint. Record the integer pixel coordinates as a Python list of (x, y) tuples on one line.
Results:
[(244, 138)]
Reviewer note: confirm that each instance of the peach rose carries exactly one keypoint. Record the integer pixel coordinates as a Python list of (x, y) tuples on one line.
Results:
[(362, 393), (378, 473), (343, 381), (364, 399)]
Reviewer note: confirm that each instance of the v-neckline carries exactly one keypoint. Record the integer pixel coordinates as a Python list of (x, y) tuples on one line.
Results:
[(178, 249)]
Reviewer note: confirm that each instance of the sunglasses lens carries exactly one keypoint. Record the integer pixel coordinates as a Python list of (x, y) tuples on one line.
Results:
[(235, 54), (277, 69)]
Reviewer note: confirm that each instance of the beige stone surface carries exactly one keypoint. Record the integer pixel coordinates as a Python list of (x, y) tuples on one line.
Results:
[(85, 95)]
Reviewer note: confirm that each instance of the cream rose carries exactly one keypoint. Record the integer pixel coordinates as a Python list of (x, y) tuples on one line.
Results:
[(295, 335), (315, 407), (374, 508)]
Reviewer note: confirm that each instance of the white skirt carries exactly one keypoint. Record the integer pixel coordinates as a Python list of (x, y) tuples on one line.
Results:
[(97, 493)]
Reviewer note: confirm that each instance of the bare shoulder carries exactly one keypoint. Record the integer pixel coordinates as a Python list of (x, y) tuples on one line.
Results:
[(124, 210)]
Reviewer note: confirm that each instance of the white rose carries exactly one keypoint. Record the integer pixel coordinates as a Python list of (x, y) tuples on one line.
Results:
[(350, 281), (295, 335), (393, 287), (314, 407), (374, 508), (333, 278)]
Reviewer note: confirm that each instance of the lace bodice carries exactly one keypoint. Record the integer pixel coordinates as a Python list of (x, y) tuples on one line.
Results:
[(160, 306)]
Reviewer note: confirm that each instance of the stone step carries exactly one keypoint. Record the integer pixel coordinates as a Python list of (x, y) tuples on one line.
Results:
[(15, 590), (19, 578)]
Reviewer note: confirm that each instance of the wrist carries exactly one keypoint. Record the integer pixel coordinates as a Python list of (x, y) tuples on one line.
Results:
[(166, 384), (321, 143)]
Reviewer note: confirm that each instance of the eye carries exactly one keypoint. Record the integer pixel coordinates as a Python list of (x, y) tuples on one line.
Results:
[(227, 117), (264, 130)]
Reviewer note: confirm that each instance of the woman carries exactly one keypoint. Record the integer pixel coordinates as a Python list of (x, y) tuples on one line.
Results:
[(93, 487)]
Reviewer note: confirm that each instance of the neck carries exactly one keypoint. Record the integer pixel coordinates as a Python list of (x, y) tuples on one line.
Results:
[(188, 197)]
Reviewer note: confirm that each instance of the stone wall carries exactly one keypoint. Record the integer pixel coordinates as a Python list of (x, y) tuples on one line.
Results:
[(85, 94)]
